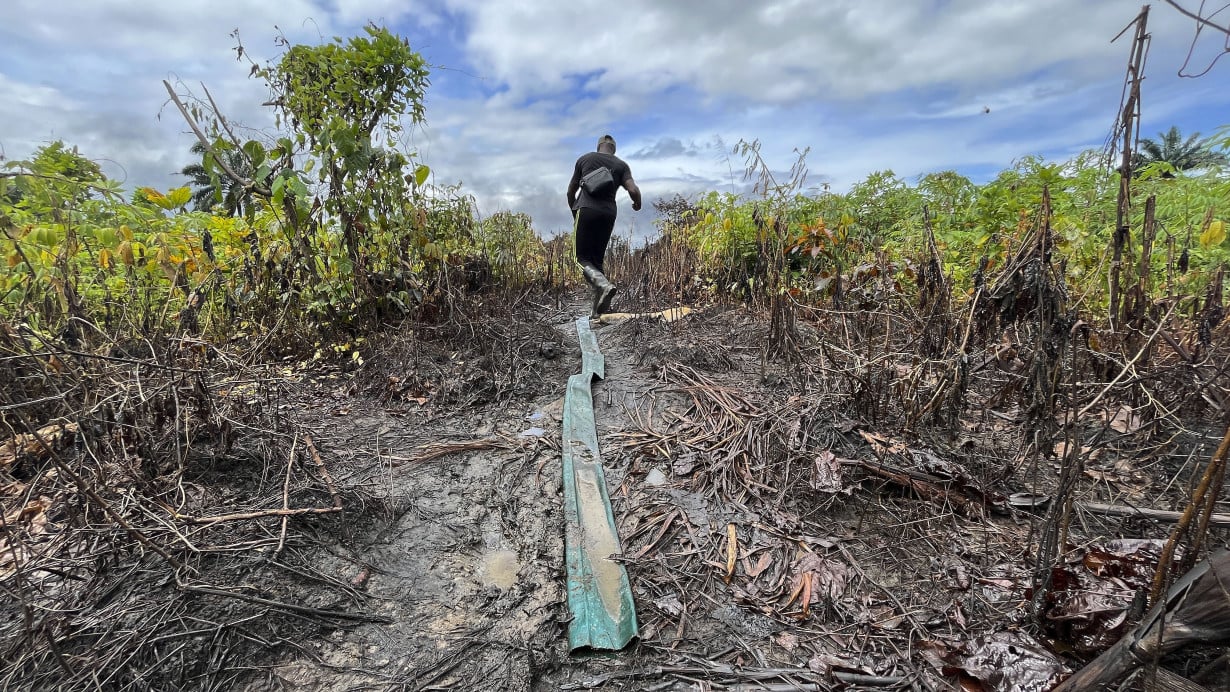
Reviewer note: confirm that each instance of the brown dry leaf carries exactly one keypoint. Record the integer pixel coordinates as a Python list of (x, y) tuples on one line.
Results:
[(828, 577), (828, 473), (823, 663), (1004, 662), (956, 615), (807, 587), (1125, 420), (25, 444), (882, 444), (761, 565), (1090, 597), (786, 640), (961, 577), (1104, 476), (1061, 450), (10, 557), (885, 617), (12, 489), (671, 605), (30, 513)]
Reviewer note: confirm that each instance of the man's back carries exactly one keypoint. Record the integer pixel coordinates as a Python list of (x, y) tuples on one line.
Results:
[(592, 161)]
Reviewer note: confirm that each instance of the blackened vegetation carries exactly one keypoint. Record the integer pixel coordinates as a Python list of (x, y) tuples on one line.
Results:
[(1213, 312), (164, 512), (483, 345), (157, 514), (893, 488), (933, 295), (664, 268), (839, 490)]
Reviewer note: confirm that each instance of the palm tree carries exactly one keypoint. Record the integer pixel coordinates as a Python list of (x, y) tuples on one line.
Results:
[(236, 200), (1183, 154)]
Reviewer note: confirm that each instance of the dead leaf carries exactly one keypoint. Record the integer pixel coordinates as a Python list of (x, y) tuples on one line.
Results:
[(823, 663), (1003, 662), (828, 473), (31, 513), (1125, 420), (786, 640), (956, 615), (684, 463), (26, 445), (818, 577), (670, 605), (881, 444), (885, 617), (761, 565)]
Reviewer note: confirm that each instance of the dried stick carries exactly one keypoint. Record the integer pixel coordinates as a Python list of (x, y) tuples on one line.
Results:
[(435, 450), (324, 471), (221, 161), (1215, 469), (260, 514), (1128, 366), (91, 492), (926, 489), (221, 118), (288, 607), (290, 465), (1156, 514)]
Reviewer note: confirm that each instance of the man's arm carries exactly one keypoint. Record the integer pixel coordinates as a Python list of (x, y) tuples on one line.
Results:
[(574, 185), (634, 192)]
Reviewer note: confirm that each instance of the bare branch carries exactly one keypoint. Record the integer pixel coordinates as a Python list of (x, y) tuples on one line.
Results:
[(1199, 20), (200, 135)]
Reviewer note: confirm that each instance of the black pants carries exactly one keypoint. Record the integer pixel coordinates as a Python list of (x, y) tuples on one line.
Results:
[(594, 228)]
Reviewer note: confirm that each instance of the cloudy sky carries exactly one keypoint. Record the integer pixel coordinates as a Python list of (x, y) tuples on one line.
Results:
[(520, 89)]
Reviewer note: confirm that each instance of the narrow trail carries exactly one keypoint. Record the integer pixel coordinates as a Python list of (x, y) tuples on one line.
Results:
[(699, 443), (469, 563)]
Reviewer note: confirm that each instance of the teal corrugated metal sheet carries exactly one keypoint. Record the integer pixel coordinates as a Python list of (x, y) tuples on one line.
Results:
[(599, 596)]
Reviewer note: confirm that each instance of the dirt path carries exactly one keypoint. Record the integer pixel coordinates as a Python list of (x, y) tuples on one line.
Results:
[(469, 566), (757, 551)]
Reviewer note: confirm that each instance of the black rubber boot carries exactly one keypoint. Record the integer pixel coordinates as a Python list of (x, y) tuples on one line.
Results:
[(604, 290)]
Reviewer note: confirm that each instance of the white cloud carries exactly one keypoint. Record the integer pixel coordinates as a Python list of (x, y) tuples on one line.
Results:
[(867, 84), (786, 51)]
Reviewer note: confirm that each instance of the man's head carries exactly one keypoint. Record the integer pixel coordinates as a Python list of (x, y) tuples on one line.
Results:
[(606, 144)]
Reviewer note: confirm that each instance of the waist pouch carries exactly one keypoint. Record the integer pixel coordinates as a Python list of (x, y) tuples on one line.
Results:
[(598, 181)]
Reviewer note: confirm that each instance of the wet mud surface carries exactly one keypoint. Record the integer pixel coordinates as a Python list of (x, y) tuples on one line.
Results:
[(757, 553), (467, 561)]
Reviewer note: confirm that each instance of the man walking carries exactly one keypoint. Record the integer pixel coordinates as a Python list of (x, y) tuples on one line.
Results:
[(596, 178)]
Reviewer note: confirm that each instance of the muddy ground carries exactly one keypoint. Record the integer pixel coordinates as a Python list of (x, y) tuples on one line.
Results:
[(470, 566), (467, 560), (769, 536)]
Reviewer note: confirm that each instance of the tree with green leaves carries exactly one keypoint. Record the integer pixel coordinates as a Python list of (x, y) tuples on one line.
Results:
[(1183, 154), (344, 195), (210, 188), (346, 100)]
